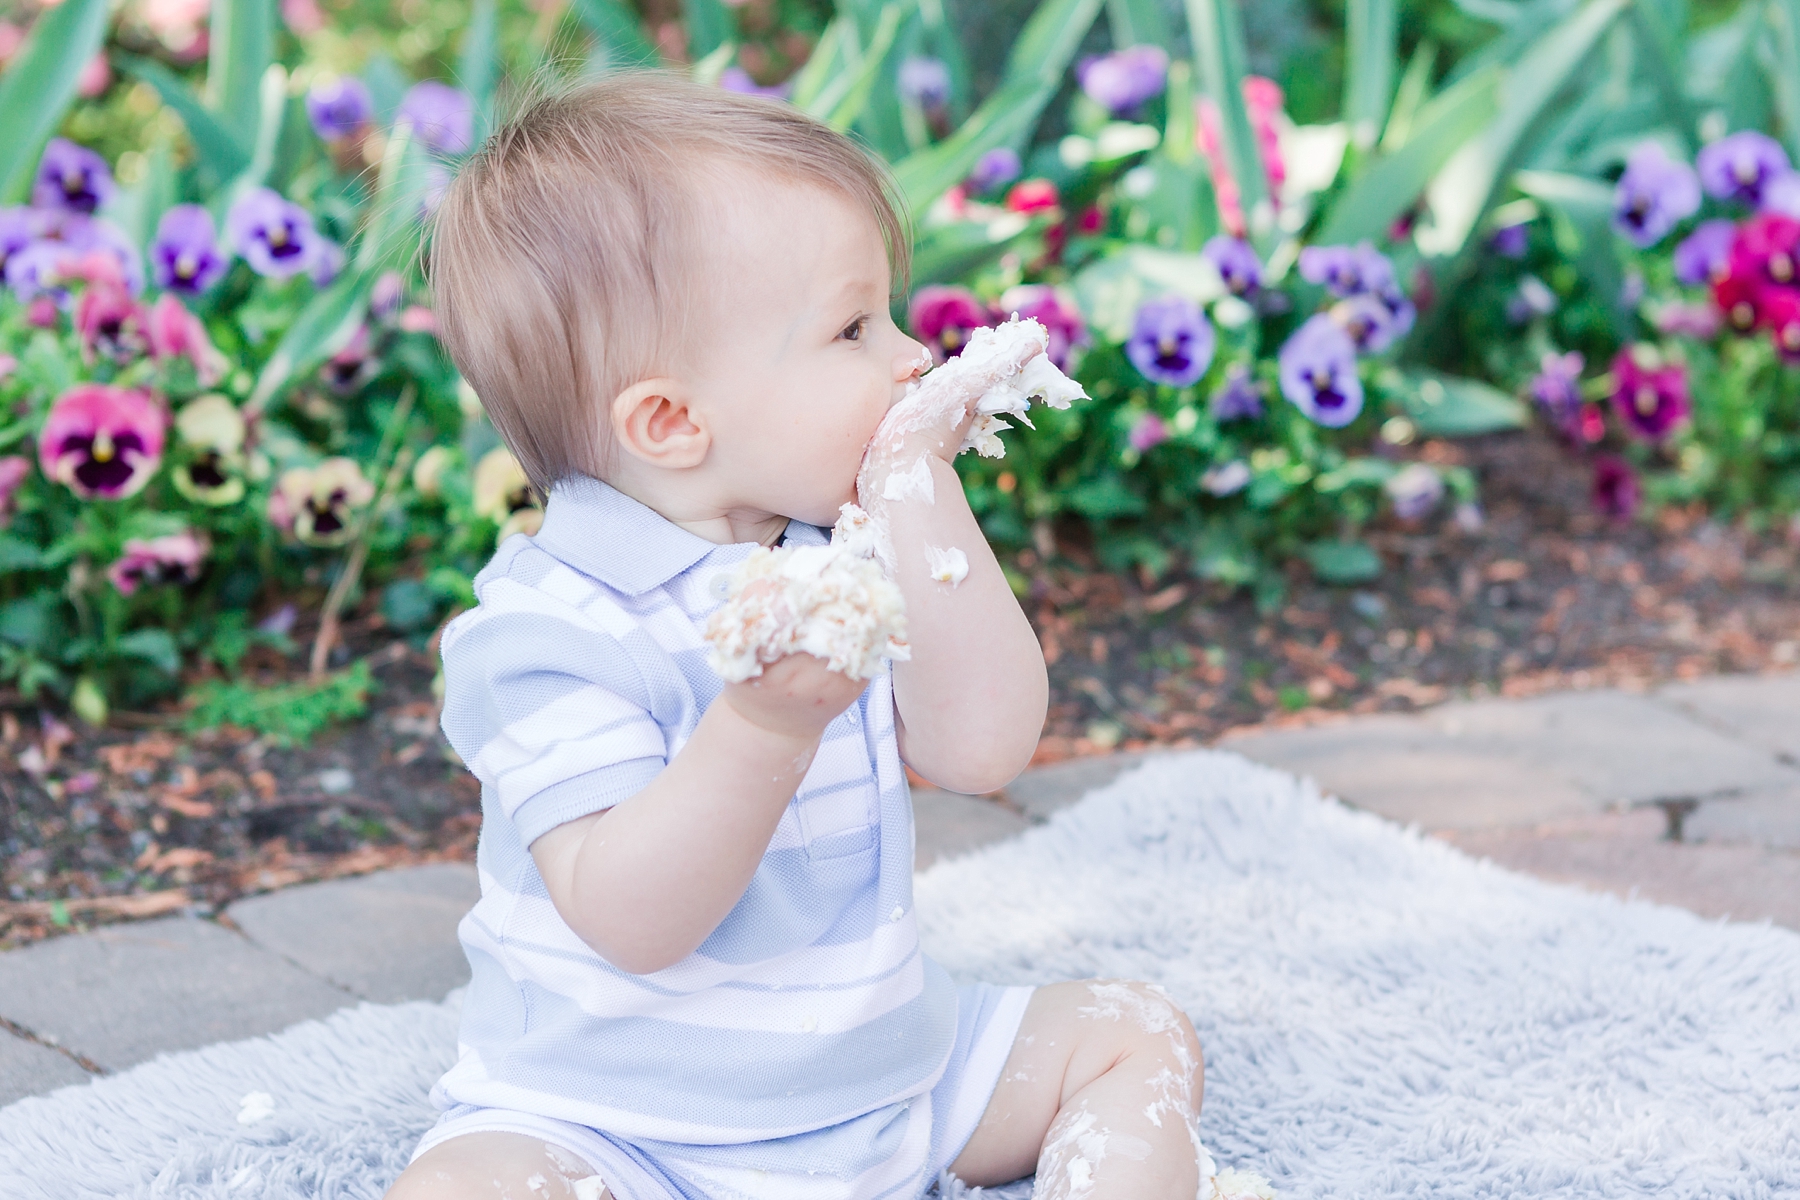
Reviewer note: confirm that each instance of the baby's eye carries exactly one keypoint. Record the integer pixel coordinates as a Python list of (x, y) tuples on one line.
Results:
[(854, 330)]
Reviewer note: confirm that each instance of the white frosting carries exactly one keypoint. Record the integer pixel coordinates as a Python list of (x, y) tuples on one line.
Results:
[(947, 566), (834, 602), (904, 485)]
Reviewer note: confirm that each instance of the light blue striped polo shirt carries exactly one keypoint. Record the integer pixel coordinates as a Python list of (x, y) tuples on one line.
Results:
[(579, 674)]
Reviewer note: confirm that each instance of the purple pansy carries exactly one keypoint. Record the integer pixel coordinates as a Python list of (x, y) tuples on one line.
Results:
[(1782, 194), (1532, 299), (736, 79), (1650, 394), (1318, 372), (1240, 398), (1557, 390), (1703, 255), (1653, 195), (1374, 322), (19, 227), (997, 168), (1510, 241), (1171, 341), (275, 237), (1347, 270), (328, 260), (1740, 165), (339, 108), (925, 81), (185, 254), (442, 117), (1414, 490), (72, 178), (1237, 263), (1122, 81)]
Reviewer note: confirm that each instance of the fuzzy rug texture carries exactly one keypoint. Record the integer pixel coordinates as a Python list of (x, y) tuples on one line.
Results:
[(1382, 1017)]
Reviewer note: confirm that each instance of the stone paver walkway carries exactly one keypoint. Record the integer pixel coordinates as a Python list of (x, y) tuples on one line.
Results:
[(1689, 795)]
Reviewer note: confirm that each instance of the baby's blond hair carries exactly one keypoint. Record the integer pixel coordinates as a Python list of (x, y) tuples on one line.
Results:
[(565, 256)]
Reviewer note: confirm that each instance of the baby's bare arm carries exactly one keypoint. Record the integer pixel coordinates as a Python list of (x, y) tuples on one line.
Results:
[(648, 880)]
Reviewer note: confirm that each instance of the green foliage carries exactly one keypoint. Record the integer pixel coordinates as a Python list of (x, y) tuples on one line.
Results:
[(288, 714)]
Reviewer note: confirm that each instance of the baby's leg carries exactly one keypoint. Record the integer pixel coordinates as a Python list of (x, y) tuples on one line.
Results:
[(495, 1166), (1101, 1094)]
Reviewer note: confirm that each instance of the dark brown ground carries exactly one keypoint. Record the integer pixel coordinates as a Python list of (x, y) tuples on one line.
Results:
[(132, 822)]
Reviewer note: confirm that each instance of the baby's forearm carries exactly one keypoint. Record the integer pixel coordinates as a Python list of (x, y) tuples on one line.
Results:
[(657, 873), (973, 698)]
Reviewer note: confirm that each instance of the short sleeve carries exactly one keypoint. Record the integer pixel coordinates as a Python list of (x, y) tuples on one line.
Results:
[(547, 710)]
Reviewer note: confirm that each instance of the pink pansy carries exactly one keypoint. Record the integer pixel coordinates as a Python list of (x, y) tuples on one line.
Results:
[(1060, 319), (95, 77), (416, 318), (173, 558), (943, 317), (8, 364), (1147, 432), (102, 442), (13, 470), (1032, 196), (302, 16), (109, 322), (177, 333)]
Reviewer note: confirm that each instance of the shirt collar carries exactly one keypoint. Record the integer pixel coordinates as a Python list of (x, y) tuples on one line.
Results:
[(630, 547)]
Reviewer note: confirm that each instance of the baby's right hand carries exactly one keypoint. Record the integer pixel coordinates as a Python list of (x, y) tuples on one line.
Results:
[(795, 697)]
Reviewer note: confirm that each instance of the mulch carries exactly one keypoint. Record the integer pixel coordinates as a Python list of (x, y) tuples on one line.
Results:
[(99, 826)]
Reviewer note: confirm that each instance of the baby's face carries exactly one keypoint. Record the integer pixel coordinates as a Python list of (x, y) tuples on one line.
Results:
[(803, 358)]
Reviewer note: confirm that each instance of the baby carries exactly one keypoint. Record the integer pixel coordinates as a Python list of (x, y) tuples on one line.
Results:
[(696, 968)]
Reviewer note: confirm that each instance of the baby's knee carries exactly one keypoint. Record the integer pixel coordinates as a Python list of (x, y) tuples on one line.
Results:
[(497, 1166), (1145, 1018)]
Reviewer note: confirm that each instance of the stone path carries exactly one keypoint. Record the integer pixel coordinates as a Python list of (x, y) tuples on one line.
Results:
[(1689, 795)]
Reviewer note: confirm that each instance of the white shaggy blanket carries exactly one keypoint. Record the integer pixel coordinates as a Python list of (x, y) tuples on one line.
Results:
[(1381, 1015)]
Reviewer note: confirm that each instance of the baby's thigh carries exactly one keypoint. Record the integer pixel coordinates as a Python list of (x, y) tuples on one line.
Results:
[(494, 1166)]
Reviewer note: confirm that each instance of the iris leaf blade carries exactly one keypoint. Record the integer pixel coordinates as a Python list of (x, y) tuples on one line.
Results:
[(39, 84)]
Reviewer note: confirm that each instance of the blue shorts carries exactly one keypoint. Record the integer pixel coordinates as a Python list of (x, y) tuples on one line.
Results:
[(937, 1127)]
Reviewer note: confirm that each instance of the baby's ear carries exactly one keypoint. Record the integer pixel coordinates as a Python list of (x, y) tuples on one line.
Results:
[(653, 421)]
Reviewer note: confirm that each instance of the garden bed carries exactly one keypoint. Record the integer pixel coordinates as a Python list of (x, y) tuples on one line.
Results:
[(132, 822)]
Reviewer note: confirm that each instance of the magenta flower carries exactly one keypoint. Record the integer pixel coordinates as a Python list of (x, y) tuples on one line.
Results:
[(1171, 341), (13, 470), (1061, 320), (943, 318), (1650, 394), (1740, 165), (72, 178), (172, 558), (110, 323), (1318, 372), (925, 82), (175, 332), (1122, 81), (1147, 432), (102, 442), (185, 255), (1653, 195), (1705, 254), (995, 169), (1616, 493), (275, 237), (1240, 399), (339, 108), (442, 117), (1237, 263)]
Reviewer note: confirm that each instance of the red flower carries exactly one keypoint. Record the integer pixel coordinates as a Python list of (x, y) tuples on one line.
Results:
[(1032, 196), (101, 441)]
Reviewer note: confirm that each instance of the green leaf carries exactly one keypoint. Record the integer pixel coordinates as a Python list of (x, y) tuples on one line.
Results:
[(1393, 183), (1665, 64), (217, 146), (1370, 34), (241, 47), (1464, 190), (1049, 40), (1110, 290), (708, 70), (1343, 562), (823, 64), (287, 713), (1452, 406), (1106, 497), (1784, 70), (39, 84), (1138, 23), (1415, 85), (946, 252), (154, 646), (19, 555), (1217, 30), (618, 29), (477, 66), (841, 101), (709, 26), (27, 622)]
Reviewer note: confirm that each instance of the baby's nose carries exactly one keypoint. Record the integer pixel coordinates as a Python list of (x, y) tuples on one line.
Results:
[(911, 361)]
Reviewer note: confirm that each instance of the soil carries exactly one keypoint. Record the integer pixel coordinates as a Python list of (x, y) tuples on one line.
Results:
[(125, 823)]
